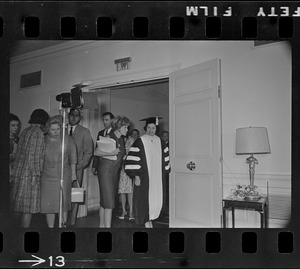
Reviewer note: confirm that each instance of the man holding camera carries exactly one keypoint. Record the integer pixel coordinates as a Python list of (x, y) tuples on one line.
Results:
[(84, 144)]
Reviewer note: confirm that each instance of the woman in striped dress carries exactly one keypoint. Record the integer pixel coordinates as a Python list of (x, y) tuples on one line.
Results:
[(27, 168), (148, 162)]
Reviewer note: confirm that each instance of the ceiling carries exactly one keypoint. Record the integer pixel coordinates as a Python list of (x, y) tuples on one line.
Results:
[(25, 46), (157, 91)]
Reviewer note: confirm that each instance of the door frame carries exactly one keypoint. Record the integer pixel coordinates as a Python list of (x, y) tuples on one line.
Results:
[(148, 76)]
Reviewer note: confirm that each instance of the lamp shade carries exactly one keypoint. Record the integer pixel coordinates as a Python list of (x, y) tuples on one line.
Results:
[(252, 140)]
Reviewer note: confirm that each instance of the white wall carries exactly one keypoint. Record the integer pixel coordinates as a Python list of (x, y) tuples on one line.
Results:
[(256, 89), (256, 84), (136, 110)]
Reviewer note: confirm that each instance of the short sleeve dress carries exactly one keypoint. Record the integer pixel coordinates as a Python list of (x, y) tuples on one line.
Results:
[(109, 175), (50, 181), (125, 184)]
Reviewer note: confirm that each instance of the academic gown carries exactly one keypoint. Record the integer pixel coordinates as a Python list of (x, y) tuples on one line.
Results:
[(148, 158)]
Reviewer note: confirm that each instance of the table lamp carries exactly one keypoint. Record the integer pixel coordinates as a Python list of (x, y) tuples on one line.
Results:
[(252, 140)]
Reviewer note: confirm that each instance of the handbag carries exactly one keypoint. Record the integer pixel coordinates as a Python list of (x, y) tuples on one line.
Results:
[(78, 194)]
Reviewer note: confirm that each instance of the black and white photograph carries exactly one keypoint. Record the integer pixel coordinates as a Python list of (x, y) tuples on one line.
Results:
[(150, 134)]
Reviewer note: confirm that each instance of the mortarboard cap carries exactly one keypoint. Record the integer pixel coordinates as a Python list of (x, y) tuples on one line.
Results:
[(152, 120)]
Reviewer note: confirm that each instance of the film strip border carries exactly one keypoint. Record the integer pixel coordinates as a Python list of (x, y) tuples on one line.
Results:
[(152, 21), (140, 248), (149, 20), (141, 27)]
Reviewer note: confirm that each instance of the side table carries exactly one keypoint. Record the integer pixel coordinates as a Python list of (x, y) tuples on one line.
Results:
[(261, 206)]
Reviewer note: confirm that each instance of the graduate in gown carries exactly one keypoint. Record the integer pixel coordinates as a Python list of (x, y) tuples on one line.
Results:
[(148, 162)]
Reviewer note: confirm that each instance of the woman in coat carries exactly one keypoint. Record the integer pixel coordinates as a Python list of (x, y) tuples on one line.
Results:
[(27, 168)]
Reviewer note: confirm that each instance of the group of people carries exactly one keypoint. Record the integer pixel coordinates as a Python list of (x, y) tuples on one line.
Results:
[(135, 168), (36, 162)]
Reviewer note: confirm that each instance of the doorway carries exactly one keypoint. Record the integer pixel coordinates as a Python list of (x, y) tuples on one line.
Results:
[(136, 101), (193, 94), (142, 100)]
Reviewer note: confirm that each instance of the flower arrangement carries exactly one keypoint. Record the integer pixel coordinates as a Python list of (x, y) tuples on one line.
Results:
[(242, 191)]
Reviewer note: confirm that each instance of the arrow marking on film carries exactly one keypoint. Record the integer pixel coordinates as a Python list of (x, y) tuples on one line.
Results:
[(37, 262)]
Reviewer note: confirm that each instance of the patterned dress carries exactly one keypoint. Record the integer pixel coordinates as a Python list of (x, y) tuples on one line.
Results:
[(148, 158), (125, 184), (26, 171)]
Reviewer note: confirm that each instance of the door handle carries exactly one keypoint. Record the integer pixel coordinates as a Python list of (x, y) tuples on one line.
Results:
[(191, 165)]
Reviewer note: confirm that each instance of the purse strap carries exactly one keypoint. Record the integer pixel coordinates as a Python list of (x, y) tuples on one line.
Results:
[(77, 183)]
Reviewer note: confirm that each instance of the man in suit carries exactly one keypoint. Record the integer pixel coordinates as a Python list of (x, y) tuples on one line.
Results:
[(107, 118), (84, 144)]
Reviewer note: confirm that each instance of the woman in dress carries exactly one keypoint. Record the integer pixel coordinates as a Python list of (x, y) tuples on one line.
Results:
[(125, 184), (148, 162), (14, 129), (27, 168), (51, 176), (109, 170)]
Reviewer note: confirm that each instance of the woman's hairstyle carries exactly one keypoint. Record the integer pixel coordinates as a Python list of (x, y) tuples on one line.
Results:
[(13, 117), (119, 121), (134, 130), (157, 127), (38, 116), (57, 119)]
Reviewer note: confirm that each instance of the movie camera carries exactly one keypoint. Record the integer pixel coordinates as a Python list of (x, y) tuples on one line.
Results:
[(71, 99)]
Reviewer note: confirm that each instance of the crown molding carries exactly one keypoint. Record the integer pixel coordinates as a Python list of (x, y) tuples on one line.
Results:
[(131, 77), (59, 50)]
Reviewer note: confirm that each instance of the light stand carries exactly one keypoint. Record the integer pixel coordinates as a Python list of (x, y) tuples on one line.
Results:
[(67, 100), (61, 195)]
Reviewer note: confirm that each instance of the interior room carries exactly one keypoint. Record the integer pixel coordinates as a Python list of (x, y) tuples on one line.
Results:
[(203, 91)]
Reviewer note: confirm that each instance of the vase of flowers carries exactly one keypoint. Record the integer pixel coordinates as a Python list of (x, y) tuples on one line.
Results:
[(245, 192)]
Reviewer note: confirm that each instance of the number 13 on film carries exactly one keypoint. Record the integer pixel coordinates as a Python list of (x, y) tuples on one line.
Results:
[(58, 261)]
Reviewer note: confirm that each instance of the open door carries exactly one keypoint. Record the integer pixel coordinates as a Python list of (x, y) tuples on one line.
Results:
[(195, 146)]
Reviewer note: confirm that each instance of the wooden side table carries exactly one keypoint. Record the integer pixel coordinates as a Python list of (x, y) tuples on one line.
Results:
[(261, 206)]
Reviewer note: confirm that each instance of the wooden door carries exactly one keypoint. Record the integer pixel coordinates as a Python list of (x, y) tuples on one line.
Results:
[(195, 140)]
